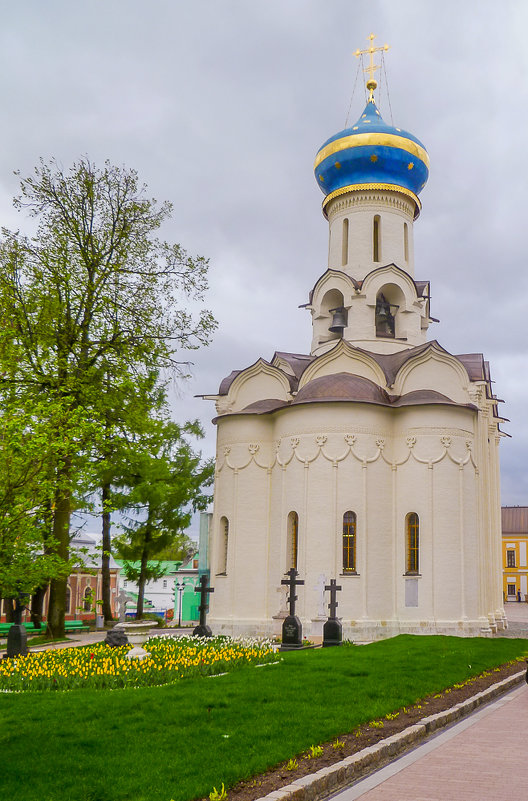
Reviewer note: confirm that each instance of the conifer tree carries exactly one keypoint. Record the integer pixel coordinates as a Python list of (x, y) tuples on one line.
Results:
[(162, 485)]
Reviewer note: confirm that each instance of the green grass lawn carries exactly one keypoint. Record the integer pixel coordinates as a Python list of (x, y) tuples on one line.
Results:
[(178, 741)]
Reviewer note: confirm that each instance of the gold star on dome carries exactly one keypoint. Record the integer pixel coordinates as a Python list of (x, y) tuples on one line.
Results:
[(410, 165), (338, 165), (374, 158), (355, 128), (321, 179)]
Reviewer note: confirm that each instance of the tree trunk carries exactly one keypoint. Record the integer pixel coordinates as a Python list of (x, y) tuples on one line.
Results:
[(105, 559), (61, 536), (9, 607), (37, 606)]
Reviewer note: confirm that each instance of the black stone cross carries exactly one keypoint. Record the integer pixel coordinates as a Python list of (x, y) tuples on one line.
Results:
[(332, 629), (291, 627), (334, 589), (292, 582), (203, 630)]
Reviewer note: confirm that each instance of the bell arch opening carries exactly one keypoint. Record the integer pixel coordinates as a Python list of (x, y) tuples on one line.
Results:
[(390, 302), (333, 316)]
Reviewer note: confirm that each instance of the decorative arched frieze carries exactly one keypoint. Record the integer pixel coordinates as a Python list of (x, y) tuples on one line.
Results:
[(374, 198), (315, 447)]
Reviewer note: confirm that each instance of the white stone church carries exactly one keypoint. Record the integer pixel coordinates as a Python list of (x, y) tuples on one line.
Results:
[(374, 458)]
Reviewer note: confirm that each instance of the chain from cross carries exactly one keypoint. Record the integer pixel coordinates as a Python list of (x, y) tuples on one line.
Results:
[(203, 589), (334, 589), (292, 583), (371, 69)]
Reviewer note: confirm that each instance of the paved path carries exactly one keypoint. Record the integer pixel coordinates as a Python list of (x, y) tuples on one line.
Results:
[(482, 758)]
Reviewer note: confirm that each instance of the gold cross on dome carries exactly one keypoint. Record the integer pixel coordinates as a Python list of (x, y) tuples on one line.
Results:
[(371, 69)]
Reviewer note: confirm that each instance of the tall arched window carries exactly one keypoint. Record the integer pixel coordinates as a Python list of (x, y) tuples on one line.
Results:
[(344, 253), (376, 239), (413, 543), (223, 546), (293, 541), (349, 542), (406, 241)]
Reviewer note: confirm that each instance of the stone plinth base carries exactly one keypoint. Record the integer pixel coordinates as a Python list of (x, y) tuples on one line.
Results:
[(358, 631)]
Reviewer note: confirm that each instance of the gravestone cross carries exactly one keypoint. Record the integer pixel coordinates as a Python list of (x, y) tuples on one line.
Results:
[(292, 583), (202, 629), (332, 629), (334, 589), (292, 627)]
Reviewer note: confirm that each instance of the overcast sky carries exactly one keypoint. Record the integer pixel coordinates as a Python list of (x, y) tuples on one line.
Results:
[(221, 105)]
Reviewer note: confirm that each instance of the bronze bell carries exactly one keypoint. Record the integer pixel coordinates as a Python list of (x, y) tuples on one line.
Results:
[(382, 309), (339, 322)]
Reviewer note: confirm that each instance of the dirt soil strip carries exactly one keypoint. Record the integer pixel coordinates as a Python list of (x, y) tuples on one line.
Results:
[(371, 746)]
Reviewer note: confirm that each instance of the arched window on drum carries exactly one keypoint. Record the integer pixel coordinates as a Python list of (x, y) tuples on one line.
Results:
[(412, 525), (223, 546), (349, 542), (292, 550)]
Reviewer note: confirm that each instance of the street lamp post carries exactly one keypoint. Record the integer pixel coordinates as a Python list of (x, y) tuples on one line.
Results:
[(180, 586)]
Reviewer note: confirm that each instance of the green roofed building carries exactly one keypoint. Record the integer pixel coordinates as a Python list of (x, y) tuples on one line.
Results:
[(162, 594)]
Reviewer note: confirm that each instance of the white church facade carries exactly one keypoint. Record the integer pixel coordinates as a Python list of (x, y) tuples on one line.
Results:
[(373, 458)]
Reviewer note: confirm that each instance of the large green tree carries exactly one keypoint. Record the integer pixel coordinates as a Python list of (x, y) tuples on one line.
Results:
[(27, 454), (94, 298)]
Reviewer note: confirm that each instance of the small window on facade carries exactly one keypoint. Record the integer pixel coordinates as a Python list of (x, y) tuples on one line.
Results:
[(125, 584), (406, 241), (67, 603), (223, 547), (344, 254), (413, 543), (164, 584), (376, 239), (349, 542), (293, 541), (511, 590), (510, 558), (195, 564)]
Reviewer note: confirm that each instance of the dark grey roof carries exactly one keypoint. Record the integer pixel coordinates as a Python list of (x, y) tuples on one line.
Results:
[(390, 363), (514, 520)]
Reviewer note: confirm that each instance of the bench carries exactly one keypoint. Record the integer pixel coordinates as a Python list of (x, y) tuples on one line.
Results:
[(70, 627), (30, 628)]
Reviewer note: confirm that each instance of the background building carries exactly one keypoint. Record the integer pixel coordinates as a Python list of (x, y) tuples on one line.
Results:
[(514, 552)]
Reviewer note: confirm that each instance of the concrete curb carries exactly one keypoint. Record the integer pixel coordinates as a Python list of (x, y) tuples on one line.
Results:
[(336, 777)]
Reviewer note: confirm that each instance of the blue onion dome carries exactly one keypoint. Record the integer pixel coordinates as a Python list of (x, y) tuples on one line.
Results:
[(372, 155)]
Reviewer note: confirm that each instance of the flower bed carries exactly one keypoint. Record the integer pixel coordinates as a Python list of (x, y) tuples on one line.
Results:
[(102, 667)]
